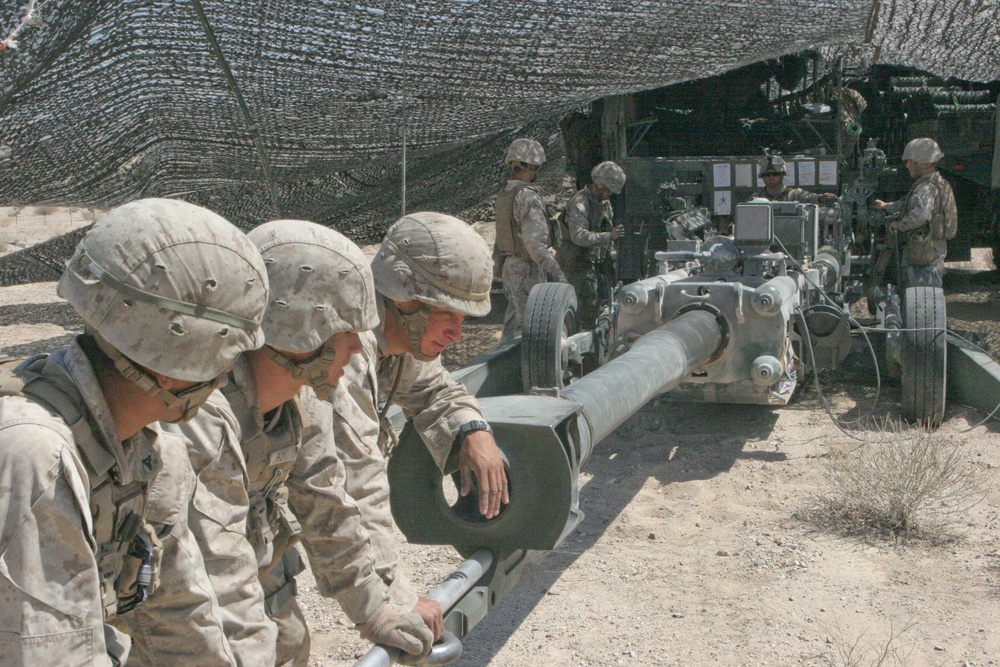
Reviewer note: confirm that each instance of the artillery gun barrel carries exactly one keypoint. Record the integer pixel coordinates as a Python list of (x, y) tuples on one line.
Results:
[(656, 363), (546, 441)]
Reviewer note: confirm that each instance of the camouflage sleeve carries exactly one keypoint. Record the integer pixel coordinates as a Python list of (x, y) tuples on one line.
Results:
[(533, 217), (919, 208), (49, 583), (217, 517), (340, 550), (437, 404), (578, 222), (356, 437), (804, 196), (896, 207), (182, 619)]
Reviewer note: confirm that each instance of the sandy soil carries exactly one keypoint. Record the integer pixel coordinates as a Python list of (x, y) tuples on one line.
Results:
[(693, 551), (24, 226)]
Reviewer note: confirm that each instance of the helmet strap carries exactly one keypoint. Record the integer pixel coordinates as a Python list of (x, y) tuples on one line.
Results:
[(415, 324), (188, 400), (315, 370)]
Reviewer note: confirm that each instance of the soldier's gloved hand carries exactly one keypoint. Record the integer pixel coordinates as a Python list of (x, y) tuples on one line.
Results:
[(430, 611), (617, 232), (390, 626)]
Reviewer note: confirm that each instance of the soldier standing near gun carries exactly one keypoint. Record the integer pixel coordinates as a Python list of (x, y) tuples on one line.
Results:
[(928, 214), (772, 170), (587, 251), (170, 294), (322, 297), (521, 255), (431, 271)]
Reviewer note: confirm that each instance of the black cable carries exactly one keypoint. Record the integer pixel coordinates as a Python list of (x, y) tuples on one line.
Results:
[(962, 338), (826, 404), (850, 320)]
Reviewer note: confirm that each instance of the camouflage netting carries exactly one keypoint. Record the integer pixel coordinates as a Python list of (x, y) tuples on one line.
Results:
[(297, 108)]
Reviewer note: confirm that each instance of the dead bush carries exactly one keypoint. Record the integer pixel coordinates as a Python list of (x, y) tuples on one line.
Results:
[(862, 651), (899, 485)]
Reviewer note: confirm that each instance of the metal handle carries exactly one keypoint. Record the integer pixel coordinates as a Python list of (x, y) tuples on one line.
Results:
[(447, 649), (447, 595)]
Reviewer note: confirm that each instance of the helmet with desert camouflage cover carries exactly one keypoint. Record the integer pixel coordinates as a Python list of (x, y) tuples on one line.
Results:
[(610, 175), (436, 259), (168, 287), (771, 164), (321, 285), (527, 151), (923, 150)]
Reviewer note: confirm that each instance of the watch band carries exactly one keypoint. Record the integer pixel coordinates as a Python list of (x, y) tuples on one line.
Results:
[(474, 425)]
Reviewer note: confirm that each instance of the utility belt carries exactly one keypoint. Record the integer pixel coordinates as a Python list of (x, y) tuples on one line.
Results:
[(271, 525)]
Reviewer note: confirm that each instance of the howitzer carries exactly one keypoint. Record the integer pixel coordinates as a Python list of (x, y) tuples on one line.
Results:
[(722, 327), (738, 319)]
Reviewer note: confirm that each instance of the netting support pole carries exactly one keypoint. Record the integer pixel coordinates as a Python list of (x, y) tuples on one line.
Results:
[(402, 185), (252, 127)]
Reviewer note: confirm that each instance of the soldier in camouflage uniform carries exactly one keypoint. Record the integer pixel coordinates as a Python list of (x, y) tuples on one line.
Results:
[(170, 294), (321, 298), (431, 271), (588, 238), (928, 214), (772, 170), (523, 237)]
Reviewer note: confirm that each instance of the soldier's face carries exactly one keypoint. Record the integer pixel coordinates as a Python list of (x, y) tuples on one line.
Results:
[(600, 191), (773, 181), (345, 345), (444, 327), (918, 169)]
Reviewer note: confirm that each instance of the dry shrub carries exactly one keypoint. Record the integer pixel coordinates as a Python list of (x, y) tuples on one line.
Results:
[(842, 651), (899, 485)]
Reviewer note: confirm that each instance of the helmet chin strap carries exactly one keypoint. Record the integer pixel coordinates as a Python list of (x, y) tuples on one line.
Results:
[(188, 400), (415, 324), (315, 370)]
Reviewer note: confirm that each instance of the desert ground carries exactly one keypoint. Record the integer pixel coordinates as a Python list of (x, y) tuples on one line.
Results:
[(699, 545)]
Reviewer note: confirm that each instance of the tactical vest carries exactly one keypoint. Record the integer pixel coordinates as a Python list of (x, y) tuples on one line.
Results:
[(944, 220), (128, 552), (508, 230), (572, 257), (270, 451)]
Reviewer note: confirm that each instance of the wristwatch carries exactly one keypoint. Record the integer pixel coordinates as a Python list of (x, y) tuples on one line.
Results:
[(469, 427)]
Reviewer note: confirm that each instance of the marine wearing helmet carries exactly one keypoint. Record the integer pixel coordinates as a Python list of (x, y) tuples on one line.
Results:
[(928, 216), (322, 298), (586, 254), (170, 294), (772, 169), (521, 255), (321, 287)]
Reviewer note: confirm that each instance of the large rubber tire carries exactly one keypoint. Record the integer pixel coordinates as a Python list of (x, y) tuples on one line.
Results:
[(549, 319), (924, 359)]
